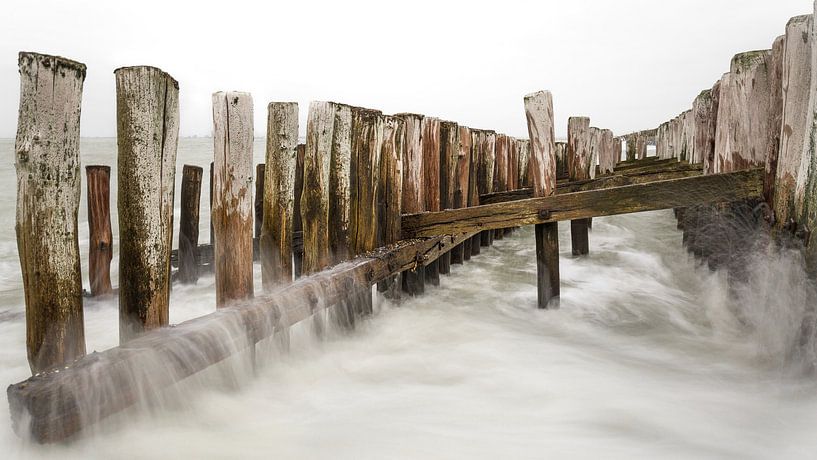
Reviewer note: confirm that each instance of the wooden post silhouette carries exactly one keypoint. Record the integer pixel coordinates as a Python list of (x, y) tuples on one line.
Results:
[(48, 194)]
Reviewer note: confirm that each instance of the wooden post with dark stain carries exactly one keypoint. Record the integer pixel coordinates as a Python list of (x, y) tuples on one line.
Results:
[(413, 281), (485, 174), (258, 201), (539, 115), (189, 224), (367, 142), (449, 154), (315, 197), (232, 200), (431, 182), (147, 106), (580, 168), (501, 172), (390, 190), (461, 189), (100, 235), (278, 193), (297, 227), (48, 193)]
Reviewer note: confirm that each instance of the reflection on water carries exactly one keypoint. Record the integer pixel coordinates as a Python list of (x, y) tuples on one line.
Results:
[(645, 358)]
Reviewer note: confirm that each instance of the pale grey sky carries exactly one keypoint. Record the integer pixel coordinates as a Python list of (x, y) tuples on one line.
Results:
[(627, 64)]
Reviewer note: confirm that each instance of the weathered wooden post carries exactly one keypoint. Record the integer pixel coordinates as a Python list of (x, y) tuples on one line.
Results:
[(485, 177), (232, 202), (631, 147), (743, 114), (616, 150), (795, 122), (189, 224), (539, 114), (449, 154), (278, 193), (461, 190), (561, 160), (147, 115), (500, 183), (367, 143), (640, 146), (340, 191), (258, 201), (298, 257), (579, 168), (48, 194), (523, 170), (413, 191), (431, 178), (775, 114), (99, 225), (704, 112), (475, 148), (390, 189), (607, 158), (805, 192), (315, 195), (212, 233)]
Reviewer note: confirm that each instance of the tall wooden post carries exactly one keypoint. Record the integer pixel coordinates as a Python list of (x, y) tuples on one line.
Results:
[(475, 148), (340, 190), (449, 153), (460, 196), (500, 183), (390, 188), (258, 198), (147, 115), (48, 194), (189, 224), (561, 160), (232, 200), (413, 191), (607, 160), (796, 82), (279, 194), (579, 168), (539, 114), (315, 196), (431, 178), (485, 177), (297, 226), (631, 147), (99, 225), (212, 233)]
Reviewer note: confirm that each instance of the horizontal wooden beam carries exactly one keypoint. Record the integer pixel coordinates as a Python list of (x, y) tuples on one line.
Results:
[(659, 167), (599, 183), (53, 406), (716, 188)]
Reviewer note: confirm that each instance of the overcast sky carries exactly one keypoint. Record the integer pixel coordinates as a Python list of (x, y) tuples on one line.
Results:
[(627, 64)]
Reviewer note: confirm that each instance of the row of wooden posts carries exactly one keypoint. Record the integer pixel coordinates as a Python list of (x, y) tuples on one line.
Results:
[(394, 195), (343, 192)]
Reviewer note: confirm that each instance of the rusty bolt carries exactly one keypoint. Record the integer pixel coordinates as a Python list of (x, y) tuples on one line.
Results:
[(544, 214)]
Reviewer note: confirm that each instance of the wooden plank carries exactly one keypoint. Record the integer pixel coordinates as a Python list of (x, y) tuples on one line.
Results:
[(232, 200), (48, 193), (591, 184), (539, 116), (47, 408), (279, 194), (717, 188), (315, 192), (147, 106), (100, 236), (188, 254)]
